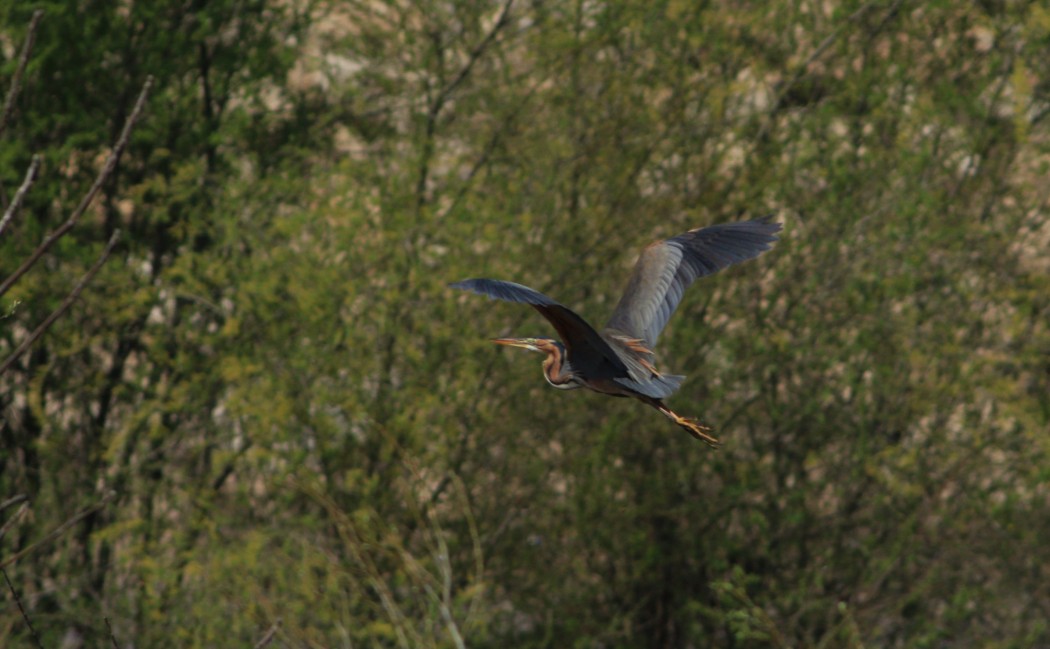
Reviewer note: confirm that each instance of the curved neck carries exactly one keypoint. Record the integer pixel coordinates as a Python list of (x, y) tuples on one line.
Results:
[(557, 369)]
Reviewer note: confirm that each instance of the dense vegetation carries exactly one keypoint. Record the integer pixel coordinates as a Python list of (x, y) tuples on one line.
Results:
[(272, 414)]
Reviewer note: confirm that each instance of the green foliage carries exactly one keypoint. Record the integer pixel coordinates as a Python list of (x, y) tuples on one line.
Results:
[(304, 424)]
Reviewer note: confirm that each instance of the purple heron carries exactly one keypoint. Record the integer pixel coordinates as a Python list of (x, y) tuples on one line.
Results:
[(618, 360)]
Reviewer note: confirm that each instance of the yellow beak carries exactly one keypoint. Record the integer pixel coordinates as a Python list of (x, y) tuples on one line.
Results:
[(516, 342)]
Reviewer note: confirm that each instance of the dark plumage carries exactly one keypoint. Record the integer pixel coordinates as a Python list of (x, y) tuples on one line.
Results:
[(619, 359)]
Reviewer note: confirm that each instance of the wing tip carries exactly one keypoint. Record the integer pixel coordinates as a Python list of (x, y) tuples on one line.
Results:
[(463, 284), (765, 223), (481, 286), (498, 289), (773, 226)]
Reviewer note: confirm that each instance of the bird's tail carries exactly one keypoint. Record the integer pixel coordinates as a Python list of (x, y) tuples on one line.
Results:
[(695, 428)]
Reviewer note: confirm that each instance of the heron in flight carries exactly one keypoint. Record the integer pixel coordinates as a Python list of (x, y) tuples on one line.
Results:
[(618, 360)]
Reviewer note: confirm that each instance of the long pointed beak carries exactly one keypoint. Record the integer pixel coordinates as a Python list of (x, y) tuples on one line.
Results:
[(515, 342)]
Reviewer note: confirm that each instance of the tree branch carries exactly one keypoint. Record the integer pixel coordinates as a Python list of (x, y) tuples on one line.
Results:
[(25, 616), (269, 635), (107, 171), (14, 517), (112, 636), (475, 54), (62, 307), (20, 195), (493, 142), (60, 530), (16, 80), (434, 110), (13, 500)]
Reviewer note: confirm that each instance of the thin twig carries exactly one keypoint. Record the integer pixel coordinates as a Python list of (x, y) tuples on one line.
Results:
[(25, 616), (9, 523), (13, 500), (435, 108), (60, 530), (475, 54), (269, 635), (228, 469), (107, 170), (487, 151), (20, 195), (446, 615), (16, 80), (112, 637), (62, 307)]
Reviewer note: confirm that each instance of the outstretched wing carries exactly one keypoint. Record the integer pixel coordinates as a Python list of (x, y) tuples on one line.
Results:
[(666, 268), (583, 343)]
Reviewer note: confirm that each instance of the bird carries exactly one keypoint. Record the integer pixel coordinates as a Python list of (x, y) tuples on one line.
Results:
[(619, 359)]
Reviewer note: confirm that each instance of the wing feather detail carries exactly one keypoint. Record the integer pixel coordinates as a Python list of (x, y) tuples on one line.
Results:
[(665, 270), (660, 387)]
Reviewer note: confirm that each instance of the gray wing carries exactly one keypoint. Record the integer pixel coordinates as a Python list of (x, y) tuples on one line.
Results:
[(666, 268), (586, 348)]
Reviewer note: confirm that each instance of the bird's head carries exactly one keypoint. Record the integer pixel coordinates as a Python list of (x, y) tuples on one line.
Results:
[(542, 345)]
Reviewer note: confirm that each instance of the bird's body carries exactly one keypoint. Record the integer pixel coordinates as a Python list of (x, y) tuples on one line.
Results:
[(618, 360)]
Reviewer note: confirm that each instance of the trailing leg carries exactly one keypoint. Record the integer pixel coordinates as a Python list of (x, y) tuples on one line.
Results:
[(695, 428)]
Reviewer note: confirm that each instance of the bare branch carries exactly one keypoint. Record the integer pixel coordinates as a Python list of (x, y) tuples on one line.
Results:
[(269, 635), (493, 142), (13, 500), (475, 54), (112, 637), (11, 521), (65, 304), (20, 195), (107, 170), (60, 530), (16, 80), (25, 617), (442, 97)]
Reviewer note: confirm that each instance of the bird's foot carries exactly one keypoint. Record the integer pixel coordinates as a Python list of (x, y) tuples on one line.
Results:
[(698, 430), (695, 428)]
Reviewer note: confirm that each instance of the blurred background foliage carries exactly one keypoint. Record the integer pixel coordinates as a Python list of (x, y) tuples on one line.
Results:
[(303, 425)]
